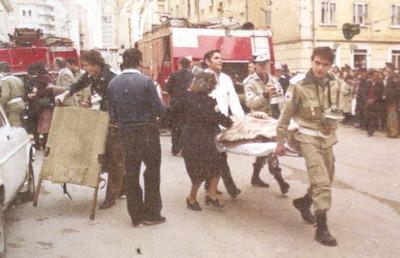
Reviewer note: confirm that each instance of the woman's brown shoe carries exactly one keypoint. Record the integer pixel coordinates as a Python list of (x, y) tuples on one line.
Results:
[(193, 206), (216, 203)]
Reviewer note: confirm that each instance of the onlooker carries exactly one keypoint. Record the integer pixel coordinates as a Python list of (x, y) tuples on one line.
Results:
[(177, 86), (82, 97), (135, 106), (64, 80), (373, 103), (12, 92), (282, 78), (390, 100), (43, 102), (227, 101), (202, 159)]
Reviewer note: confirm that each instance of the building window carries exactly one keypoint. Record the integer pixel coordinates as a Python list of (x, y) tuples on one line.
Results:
[(360, 13), (396, 58), (177, 11), (360, 58), (396, 15), (189, 8), (268, 17), (23, 13), (328, 13)]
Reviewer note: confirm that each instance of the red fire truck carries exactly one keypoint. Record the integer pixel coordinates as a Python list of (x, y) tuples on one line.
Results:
[(29, 45), (163, 48)]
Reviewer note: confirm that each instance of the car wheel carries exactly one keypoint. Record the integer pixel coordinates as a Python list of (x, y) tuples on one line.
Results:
[(27, 196), (2, 234)]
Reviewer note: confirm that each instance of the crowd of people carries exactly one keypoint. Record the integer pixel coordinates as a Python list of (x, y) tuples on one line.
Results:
[(202, 103), (371, 98)]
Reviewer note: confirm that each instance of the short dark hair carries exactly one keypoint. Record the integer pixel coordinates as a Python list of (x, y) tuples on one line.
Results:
[(60, 62), (37, 68), (131, 58), (209, 54), (93, 57), (184, 62), (5, 67), (71, 61), (325, 53), (204, 83)]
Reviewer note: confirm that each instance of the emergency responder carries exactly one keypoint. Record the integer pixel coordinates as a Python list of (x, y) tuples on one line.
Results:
[(98, 75), (312, 102), (12, 92), (177, 86), (258, 91)]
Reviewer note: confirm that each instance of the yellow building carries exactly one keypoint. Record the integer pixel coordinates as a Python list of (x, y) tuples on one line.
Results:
[(298, 26), (228, 12)]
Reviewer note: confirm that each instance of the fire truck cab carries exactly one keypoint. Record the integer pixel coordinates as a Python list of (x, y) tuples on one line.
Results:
[(163, 48)]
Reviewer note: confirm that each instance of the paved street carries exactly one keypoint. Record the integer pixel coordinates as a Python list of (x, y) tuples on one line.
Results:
[(365, 217)]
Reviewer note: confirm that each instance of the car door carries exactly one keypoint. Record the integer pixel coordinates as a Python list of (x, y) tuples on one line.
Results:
[(13, 157)]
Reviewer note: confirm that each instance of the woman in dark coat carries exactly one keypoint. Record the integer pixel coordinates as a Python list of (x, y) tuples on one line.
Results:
[(202, 120)]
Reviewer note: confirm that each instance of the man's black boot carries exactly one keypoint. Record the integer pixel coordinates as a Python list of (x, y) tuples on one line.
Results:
[(283, 185), (303, 205), (108, 203), (322, 234), (255, 179)]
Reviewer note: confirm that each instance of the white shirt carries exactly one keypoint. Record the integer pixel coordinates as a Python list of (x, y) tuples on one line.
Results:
[(226, 96)]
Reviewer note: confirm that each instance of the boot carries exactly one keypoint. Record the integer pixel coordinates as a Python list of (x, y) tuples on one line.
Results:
[(283, 185), (108, 203), (303, 205), (322, 234), (255, 179)]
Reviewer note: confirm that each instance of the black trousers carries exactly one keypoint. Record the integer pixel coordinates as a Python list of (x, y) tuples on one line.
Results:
[(273, 163), (142, 145)]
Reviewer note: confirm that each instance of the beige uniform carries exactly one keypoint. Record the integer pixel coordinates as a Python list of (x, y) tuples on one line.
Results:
[(307, 101), (257, 98), (12, 91)]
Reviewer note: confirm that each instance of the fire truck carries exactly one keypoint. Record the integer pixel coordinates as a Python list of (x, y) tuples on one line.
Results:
[(28, 46), (164, 46)]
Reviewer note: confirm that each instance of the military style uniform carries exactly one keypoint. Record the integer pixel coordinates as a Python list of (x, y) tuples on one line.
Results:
[(257, 99), (11, 98), (307, 101)]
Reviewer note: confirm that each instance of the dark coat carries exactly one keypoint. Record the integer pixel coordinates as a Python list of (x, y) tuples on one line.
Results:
[(391, 91), (374, 95), (177, 87), (98, 85), (201, 126)]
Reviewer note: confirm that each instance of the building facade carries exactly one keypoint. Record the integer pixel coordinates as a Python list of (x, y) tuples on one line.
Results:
[(6, 9), (299, 26), (227, 12)]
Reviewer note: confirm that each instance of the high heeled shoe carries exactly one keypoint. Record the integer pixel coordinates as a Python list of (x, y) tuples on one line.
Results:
[(193, 206), (216, 203)]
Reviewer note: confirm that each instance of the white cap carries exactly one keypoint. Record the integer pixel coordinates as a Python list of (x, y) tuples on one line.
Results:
[(278, 66), (261, 58)]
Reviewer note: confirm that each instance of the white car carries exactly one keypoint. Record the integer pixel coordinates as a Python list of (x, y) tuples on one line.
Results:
[(16, 170)]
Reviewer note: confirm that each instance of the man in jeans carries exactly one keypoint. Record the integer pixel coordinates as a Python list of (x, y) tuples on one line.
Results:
[(135, 106)]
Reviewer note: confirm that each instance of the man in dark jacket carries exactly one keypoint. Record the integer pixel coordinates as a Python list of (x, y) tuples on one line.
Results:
[(97, 76), (135, 106), (373, 104), (177, 86)]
